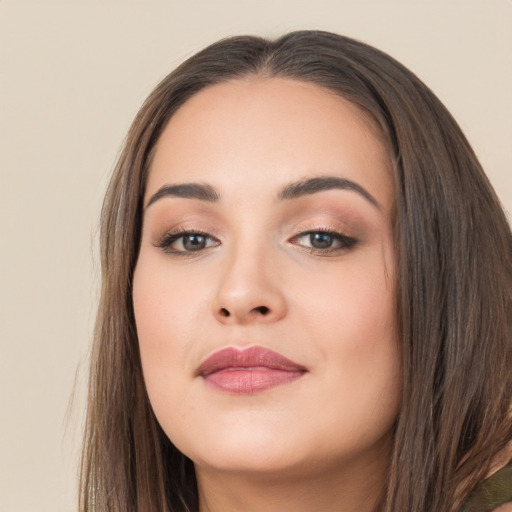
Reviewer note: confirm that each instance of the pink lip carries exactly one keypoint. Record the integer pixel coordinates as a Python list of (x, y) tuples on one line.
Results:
[(249, 370)]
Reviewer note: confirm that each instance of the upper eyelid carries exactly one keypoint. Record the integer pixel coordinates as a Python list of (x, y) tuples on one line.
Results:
[(305, 229), (165, 243), (289, 228), (335, 233), (346, 242), (298, 231), (179, 229), (173, 235)]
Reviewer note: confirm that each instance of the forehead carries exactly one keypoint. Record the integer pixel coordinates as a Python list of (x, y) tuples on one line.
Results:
[(259, 133)]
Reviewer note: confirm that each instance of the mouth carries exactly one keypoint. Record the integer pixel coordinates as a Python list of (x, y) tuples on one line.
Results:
[(248, 371)]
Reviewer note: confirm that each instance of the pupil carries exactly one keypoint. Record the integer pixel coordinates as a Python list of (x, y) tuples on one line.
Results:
[(321, 240), (194, 242)]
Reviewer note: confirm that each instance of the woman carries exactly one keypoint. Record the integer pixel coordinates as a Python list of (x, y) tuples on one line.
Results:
[(306, 294)]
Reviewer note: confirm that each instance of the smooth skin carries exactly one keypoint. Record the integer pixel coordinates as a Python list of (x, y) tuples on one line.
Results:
[(251, 260)]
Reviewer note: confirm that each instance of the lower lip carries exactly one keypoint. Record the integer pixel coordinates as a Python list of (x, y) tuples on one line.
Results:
[(247, 381)]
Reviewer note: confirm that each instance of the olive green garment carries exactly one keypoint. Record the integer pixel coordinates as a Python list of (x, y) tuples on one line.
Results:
[(492, 493)]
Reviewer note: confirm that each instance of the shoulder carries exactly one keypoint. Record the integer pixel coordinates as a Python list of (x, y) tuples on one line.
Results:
[(494, 494), (506, 507)]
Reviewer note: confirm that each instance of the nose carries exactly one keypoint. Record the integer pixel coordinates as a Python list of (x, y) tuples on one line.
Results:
[(249, 291)]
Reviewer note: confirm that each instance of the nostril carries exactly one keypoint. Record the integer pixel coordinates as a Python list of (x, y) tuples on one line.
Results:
[(224, 312), (262, 309)]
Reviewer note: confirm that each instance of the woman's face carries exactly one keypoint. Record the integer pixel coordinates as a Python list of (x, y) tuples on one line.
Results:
[(264, 291)]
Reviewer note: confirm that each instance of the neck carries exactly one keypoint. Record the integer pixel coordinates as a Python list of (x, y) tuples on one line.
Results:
[(355, 489)]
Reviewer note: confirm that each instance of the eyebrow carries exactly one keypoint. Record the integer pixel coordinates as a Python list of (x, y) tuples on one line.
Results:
[(308, 186), (323, 183), (186, 190)]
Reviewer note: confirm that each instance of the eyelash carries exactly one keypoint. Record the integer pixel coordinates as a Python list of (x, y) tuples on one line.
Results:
[(168, 239), (344, 242)]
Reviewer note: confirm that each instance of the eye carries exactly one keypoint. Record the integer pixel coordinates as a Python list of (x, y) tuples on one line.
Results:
[(186, 242), (324, 241)]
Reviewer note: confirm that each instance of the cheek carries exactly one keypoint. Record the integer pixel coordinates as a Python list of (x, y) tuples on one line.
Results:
[(352, 316), (166, 321), (164, 304), (164, 318), (354, 304)]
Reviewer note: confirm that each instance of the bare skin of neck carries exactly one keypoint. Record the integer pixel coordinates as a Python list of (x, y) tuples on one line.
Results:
[(354, 490)]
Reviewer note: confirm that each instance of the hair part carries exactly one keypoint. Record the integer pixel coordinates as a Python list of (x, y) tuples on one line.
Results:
[(454, 268)]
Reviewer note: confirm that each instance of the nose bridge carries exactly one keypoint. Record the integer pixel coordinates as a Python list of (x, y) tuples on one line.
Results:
[(248, 287)]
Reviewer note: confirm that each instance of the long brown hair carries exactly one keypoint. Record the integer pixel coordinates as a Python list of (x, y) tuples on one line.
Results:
[(454, 297)]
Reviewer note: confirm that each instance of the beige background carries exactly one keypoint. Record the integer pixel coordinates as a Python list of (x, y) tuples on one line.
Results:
[(72, 75)]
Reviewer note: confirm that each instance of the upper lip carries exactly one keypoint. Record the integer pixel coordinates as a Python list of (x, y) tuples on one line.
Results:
[(251, 357)]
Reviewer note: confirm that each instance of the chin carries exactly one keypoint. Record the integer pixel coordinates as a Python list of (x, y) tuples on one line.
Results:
[(256, 449), (274, 453)]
